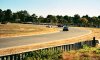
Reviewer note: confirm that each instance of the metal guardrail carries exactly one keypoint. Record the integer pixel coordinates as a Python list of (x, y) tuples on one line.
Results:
[(65, 47)]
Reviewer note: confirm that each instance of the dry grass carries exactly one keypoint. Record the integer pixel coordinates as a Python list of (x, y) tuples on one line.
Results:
[(11, 30), (83, 54)]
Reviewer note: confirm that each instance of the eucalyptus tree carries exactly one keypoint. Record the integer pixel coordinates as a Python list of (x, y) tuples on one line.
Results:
[(40, 19), (84, 21), (95, 21), (15, 18), (89, 20), (3, 19), (60, 19), (55, 21), (52, 19), (23, 15), (99, 21), (8, 15), (34, 18), (86, 16), (0, 15), (67, 19), (76, 19), (49, 18), (45, 20)]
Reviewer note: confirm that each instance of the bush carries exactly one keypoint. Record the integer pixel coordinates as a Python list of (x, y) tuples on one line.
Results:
[(44, 55)]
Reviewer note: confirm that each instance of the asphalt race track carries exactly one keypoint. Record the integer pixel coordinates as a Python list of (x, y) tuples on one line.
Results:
[(25, 40)]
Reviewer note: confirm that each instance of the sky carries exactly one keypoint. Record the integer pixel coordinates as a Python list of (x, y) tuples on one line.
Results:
[(53, 7)]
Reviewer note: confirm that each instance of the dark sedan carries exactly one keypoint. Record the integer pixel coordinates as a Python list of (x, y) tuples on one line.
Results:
[(65, 28)]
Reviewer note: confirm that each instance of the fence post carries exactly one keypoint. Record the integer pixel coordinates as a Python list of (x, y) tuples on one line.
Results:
[(15, 57), (64, 47), (69, 47), (6, 58), (11, 57), (73, 46), (23, 56), (76, 46), (2, 58)]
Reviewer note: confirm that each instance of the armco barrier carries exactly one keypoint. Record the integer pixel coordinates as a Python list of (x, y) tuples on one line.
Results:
[(65, 47)]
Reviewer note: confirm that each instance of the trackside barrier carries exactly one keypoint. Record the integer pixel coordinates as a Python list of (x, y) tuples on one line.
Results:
[(65, 47)]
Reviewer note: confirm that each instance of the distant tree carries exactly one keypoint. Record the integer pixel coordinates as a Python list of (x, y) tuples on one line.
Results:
[(52, 19), (86, 16), (93, 19), (49, 18), (60, 19), (45, 20), (0, 15), (96, 21), (76, 19), (28, 19), (15, 17), (55, 21), (23, 15), (68, 19), (40, 19), (84, 21), (34, 18), (99, 21), (7, 15), (3, 17), (89, 20)]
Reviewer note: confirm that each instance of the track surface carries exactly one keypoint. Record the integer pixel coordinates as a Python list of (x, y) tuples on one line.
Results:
[(25, 40)]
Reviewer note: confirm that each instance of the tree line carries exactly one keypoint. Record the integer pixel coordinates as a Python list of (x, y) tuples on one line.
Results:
[(24, 17)]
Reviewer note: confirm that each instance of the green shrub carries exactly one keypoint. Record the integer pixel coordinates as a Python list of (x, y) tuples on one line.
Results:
[(44, 55)]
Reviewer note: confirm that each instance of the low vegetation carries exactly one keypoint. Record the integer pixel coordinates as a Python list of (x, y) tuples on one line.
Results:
[(44, 55), (87, 53)]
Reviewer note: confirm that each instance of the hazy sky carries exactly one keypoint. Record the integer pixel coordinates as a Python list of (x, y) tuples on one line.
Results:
[(54, 7)]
